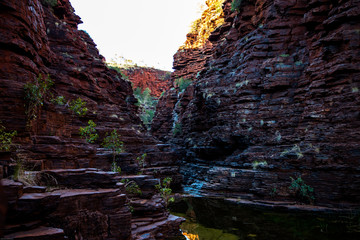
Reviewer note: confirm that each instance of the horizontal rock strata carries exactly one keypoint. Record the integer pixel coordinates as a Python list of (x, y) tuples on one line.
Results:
[(277, 98), (40, 38)]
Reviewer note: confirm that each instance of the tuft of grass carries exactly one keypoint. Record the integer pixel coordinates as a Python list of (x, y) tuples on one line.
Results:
[(257, 164)]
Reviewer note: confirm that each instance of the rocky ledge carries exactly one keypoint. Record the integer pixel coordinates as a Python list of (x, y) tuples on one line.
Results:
[(64, 209)]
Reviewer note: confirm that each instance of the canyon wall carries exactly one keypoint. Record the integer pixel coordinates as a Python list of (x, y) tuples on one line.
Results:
[(275, 95), (46, 41), (156, 80), (40, 38)]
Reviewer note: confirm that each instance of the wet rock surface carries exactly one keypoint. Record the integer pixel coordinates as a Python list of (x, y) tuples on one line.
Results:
[(276, 96)]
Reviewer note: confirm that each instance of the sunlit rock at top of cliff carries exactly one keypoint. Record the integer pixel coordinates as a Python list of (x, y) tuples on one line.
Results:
[(201, 28)]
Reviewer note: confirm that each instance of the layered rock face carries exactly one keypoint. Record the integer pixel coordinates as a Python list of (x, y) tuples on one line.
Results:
[(41, 37), (156, 80), (47, 41), (277, 97), (86, 204)]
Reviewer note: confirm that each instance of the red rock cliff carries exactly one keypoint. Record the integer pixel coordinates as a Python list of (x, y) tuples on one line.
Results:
[(275, 96), (156, 80)]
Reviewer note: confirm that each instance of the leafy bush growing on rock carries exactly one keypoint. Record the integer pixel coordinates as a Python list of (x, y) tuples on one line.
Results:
[(147, 105), (182, 83), (304, 192), (141, 161), (115, 167), (59, 100), (165, 190), (235, 5), (78, 107), (131, 187), (35, 94), (6, 139), (89, 132)]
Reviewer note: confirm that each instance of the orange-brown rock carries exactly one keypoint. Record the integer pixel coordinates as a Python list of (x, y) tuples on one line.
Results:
[(158, 81), (276, 96)]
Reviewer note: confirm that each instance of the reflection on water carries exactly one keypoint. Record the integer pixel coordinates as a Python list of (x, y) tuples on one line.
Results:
[(216, 219), (190, 236), (196, 231)]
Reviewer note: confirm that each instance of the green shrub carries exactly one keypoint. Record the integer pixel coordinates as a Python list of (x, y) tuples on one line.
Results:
[(235, 5), (182, 83), (6, 139), (165, 190), (141, 160), (304, 192), (89, 132), (78, 107), (147, 105), (131, 187), (35, 94), (115, 167), (113, 143), (59, 100)]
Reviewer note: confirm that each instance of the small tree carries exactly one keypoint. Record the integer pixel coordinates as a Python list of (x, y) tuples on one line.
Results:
[(165, 190), (89, 132), (141, 161), (113, 143), (35, 94)]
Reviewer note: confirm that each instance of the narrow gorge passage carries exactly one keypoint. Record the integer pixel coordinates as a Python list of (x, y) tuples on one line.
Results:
[(254, 135)]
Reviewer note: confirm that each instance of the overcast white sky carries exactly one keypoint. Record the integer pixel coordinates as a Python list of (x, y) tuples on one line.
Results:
[(140, 30)]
